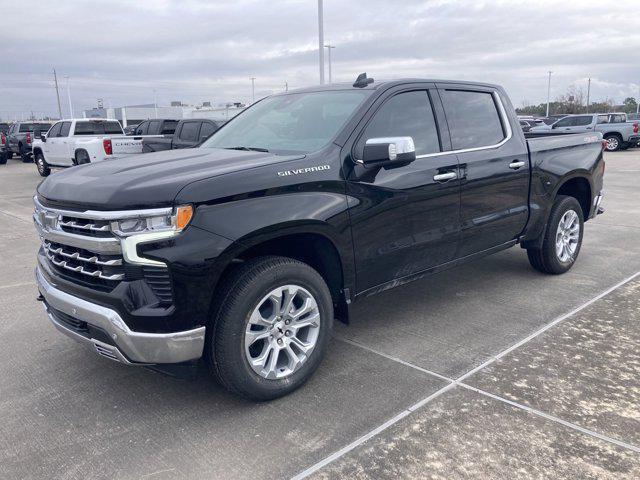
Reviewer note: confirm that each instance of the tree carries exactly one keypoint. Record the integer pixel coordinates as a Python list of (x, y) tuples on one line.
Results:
[(630, 105)]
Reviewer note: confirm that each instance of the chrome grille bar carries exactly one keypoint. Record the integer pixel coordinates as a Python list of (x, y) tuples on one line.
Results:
[(81, 269), (76, 256), (86, 226)]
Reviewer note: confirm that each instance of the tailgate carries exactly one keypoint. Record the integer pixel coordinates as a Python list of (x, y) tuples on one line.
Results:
[(126, 145)]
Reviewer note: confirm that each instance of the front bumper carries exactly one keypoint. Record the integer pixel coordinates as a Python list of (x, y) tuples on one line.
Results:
[(116, 340)]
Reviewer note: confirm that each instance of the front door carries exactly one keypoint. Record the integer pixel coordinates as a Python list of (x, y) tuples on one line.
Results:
[(404, 220), (494, 167)]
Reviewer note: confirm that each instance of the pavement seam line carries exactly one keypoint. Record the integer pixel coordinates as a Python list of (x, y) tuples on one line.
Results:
[(17, 285), (15, 217), (458, 382), (552, 418)]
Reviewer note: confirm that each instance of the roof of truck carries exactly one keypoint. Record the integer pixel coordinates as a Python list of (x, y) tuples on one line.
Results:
[(387, 83)]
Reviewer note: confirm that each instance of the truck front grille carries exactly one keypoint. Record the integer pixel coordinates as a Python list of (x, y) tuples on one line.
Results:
[(81, 247)]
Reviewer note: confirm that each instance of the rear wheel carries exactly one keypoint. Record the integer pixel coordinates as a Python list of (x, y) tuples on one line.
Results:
[(25, 154), (9, 154), (41, 164), (82, 157), (614, 142), (3, 158), (271, 326), (562, 238)]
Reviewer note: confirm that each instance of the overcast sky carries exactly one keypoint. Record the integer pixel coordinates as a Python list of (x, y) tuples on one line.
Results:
[(197, 51)]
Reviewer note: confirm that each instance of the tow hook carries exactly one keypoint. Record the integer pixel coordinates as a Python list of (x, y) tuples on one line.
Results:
[(600, 210), (40, 298)]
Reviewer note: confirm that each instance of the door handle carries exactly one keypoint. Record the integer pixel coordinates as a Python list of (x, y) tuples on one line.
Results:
[(443, 177), (516, 164)]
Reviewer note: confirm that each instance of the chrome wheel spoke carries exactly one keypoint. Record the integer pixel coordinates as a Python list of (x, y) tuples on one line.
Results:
[(567, 236), (282, 331)]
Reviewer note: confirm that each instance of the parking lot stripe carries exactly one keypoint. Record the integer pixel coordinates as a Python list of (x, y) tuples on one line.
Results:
[(459, 382), (552, 418), (17, 285)]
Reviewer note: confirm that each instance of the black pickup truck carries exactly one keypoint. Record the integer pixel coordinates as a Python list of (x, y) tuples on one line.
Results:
[(244, 250), (188, 134)]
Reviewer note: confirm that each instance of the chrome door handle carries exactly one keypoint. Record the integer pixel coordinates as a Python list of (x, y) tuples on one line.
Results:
[(443, 177), (516, 164)]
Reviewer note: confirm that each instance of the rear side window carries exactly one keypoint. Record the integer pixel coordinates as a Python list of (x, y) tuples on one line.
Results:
[(189, 131), (169, 127), (473, 119), (207, 129), (29, 127), (617, 119), (407, 114), (583, 120)]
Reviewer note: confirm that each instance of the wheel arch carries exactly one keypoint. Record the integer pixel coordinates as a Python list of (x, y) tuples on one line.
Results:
[(579, 187), (312, 243)]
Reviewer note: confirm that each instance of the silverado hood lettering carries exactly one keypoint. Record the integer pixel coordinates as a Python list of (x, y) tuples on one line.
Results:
[(298, 171), (147, 180)]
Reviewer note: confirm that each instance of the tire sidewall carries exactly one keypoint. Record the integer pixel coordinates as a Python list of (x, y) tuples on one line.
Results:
[(232, 332), (617, 146), (563, 206), (42, 166)]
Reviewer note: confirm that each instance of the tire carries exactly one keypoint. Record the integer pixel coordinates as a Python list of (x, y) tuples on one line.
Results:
[(25, 154), (552, 258), (82, 157), (9, 154), (243, 305), (614, 142), (3, 158), (41, 164)]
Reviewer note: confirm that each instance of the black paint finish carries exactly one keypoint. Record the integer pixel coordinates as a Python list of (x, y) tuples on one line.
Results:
[(388, 226)]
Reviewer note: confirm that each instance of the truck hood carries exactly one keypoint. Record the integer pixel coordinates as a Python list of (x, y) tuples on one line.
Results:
[(147, 180)]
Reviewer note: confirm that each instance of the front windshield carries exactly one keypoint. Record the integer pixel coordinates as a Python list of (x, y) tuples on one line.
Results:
[(292, 123)]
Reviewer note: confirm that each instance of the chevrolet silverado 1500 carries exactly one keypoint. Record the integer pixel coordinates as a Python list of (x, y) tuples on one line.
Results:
[(242, 252)]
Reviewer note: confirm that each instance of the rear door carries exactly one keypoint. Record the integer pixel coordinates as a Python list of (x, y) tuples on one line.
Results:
[(494, 166), (49, 147), (188, 134), (404, 220), (63, 145)]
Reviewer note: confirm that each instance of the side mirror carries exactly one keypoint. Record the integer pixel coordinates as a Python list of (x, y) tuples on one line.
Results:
[(43, 137), (389, 152), (554, 126)]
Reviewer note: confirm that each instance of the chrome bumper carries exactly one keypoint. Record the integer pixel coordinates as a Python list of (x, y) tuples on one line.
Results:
[(597, 205), (130, 347)]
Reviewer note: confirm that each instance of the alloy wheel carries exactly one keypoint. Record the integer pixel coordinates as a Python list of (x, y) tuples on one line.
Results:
[(567, 236), (282, 331)]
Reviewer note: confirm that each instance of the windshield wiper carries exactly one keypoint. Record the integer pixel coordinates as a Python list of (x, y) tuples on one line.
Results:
[(248, 149)]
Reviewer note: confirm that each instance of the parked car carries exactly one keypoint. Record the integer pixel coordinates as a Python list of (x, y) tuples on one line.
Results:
[(526, 125), (551, 119), (76, 142), (4, 127), (20, 138), (161, 126), (618, 133), (243, 251), (188, 134)]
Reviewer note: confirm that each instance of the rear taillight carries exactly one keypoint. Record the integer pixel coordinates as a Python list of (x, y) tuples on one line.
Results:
[(4, 139), (635, 128), (28, 137), (108, 148)]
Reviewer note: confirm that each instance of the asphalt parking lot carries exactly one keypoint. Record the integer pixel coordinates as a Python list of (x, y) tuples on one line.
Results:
[(489, 371)]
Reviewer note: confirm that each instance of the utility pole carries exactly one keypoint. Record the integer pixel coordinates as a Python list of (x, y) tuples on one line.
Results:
[(155, 102), (549, 92), (69, 97), (55, 79), (638, 101), (329, 47), (588, 93), (253, 89), (286, 86), (321, 40)]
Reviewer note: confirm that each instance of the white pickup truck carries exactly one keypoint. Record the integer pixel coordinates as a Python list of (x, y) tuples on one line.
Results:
[(74, 142)]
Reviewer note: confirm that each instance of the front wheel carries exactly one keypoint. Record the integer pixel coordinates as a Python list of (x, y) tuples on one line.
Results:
[(614, 143), (562, 238), (270, 329), (41, 164)]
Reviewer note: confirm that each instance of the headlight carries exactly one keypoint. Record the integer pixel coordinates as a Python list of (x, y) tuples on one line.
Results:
[(175, 221)]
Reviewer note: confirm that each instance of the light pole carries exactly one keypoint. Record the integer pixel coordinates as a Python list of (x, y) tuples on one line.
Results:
[(253, 89), (588, 93), (321, 40), (548, 91), (329, 47), (69, 97), (155, 102), (55, 79), (638, 101)]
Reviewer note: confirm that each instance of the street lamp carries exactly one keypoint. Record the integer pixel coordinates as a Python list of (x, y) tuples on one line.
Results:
[(321, 40), (548, 91), (329, 47), (69, 97), (253, 89)]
